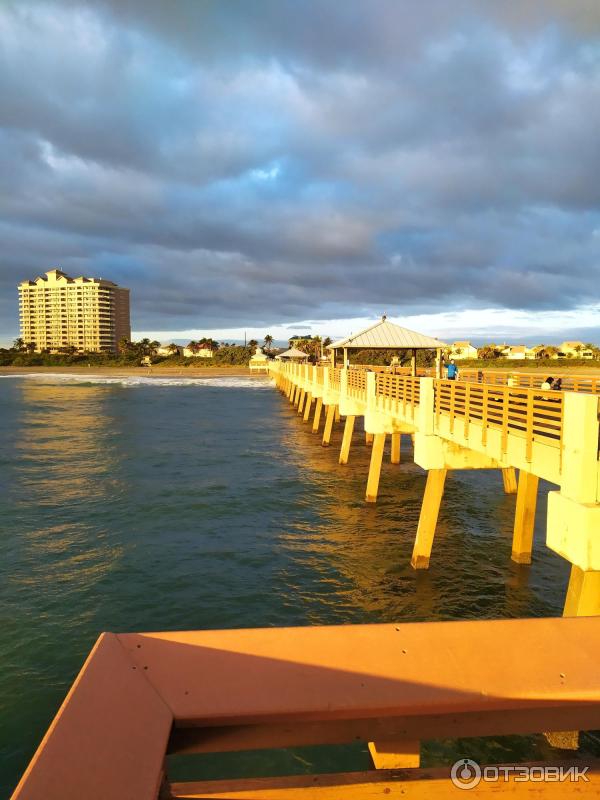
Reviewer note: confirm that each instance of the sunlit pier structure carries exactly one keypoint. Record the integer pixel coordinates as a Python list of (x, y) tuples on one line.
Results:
[(466, 425), (143, 696)]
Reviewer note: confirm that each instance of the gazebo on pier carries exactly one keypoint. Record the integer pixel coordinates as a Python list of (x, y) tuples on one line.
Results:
[(386, 335), (293, 354)]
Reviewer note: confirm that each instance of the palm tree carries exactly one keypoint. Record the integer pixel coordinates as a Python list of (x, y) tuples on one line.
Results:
[(252, 344), (268, 342), (18, 344), (124, 345), (173, 348), (30, 347)]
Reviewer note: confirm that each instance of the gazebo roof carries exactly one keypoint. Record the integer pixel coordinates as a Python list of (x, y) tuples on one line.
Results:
[(387, 335), (293, 352)]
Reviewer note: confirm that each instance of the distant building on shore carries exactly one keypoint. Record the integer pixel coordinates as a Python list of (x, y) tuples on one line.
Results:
[(460, 350), (574, 350), (87, 315)]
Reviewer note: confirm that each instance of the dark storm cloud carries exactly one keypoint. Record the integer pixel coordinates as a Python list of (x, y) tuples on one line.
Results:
[(248, 163)]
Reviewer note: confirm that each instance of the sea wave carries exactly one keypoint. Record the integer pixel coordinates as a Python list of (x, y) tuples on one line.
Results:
[(138, 380)]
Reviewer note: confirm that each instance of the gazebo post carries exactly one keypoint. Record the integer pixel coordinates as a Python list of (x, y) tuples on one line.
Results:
[(345, 358), (413, 364)]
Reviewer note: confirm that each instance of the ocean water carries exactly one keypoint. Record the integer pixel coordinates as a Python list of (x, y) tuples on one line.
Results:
[(131, 504)]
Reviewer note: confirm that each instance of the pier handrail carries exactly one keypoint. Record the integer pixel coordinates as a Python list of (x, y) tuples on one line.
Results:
[(404, 389), (357, 383), (532, 413), (139, 696), (334, 378), (589, 384)]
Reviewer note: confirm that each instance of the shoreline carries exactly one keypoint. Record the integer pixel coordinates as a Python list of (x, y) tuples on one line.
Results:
[(146, 372)]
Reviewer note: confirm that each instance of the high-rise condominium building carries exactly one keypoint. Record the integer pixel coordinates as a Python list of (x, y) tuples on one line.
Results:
[(57, 311)]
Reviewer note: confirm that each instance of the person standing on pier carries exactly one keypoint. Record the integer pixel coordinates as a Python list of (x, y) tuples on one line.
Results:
[(452, 371)]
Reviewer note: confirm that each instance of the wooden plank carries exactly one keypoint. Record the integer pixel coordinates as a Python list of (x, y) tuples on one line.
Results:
[(288, 675), (233, 738), (108, 739), (408, 784)]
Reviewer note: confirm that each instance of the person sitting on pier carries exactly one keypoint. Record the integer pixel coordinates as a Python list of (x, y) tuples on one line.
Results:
[(452, 371), (557, 385), (547, 384)]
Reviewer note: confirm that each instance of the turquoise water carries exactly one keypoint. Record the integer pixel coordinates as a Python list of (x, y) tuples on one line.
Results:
[(130, 504)]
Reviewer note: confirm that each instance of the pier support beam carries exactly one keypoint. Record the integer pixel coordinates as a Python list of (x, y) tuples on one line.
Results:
[(307, 406), (432, 499), (375, 467), (395, 754), (328, 425), (509, 479), (317, 418), (395, 456), (347, 439), (583, 600), (524, 517), (583, 594)]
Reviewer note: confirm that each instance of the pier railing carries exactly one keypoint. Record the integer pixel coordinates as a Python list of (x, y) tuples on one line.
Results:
[(589, 384), (357, 384), (402, 389), (140, 697), (535, 415)]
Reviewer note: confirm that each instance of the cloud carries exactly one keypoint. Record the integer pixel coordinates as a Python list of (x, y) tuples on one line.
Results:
[(311, 161)]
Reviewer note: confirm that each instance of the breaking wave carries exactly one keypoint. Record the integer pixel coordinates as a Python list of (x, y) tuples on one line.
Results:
[(140, 380)]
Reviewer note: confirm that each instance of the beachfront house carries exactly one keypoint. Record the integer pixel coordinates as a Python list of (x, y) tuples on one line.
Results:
[(462, 350), (574, 350), (518, 352), (198, 352), (170, 349)]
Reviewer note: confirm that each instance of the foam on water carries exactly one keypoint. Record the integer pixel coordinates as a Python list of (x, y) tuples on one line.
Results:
[(135, 380)]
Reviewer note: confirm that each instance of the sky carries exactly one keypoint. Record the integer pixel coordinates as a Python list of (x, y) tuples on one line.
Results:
[(297, 166)]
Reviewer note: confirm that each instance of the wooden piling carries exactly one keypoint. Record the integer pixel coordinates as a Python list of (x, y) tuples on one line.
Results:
[(509, 479), (524, 517), (347, 439), (328, 425), (395, 455), (375, 467), (317, 418), (397, 754), (583, 593), (432, 499), (307, 406)]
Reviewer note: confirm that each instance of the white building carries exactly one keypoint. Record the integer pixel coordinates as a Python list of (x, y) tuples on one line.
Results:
[(462, 350)]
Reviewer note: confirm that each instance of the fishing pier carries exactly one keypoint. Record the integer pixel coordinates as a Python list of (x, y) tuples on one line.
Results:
[(462, 425)]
